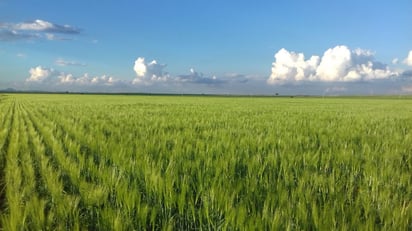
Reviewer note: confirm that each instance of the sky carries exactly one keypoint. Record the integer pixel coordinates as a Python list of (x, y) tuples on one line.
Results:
[(318, 47)]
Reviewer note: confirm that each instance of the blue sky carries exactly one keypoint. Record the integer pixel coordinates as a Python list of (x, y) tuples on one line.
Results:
[(225, 47)]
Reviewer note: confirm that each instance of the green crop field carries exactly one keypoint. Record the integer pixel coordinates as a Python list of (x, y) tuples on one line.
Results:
[(105, 162)]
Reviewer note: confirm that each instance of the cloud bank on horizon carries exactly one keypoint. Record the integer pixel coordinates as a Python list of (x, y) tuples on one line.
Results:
[(338, 64), (148, 73), (49, 76)]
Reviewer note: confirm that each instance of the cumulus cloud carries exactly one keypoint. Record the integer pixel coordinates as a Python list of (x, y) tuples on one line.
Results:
[(40, 74), (291, 66), (140, 67), (335, 64), (148, 72), (338, 64), (408, 60), (87, 80), (105, 80), (49, 76), (35, 29)]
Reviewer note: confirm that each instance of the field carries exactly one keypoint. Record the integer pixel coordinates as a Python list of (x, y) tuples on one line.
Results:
[(104, 162)]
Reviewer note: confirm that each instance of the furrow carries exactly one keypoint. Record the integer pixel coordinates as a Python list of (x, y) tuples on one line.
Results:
[(13, 218), (7, 121)]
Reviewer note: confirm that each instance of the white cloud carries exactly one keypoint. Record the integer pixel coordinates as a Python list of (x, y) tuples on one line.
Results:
[(105, 80), (147, 73), (338, 64), (63, 62), (140, 67), (39, 74), (50, 76), (335, 64), (67, 78), (34, 25), (41, 25), (291, 66), (35, 29), (87, 80), (408, 60)]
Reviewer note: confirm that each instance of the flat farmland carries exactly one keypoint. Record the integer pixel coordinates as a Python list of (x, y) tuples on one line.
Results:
[(116, 162)]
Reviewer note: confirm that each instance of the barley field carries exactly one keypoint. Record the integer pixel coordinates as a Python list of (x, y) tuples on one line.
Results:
[(113, 162)]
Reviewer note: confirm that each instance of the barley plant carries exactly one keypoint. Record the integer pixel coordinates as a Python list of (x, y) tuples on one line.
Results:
[(112, 162)]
